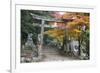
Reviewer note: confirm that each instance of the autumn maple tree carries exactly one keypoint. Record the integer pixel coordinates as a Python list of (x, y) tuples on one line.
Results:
[(77, 28)]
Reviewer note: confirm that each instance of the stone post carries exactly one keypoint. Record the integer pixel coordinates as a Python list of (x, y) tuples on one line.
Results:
[(41, 41)]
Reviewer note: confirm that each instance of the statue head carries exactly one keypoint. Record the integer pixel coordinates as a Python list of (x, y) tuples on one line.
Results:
[(30, 35)]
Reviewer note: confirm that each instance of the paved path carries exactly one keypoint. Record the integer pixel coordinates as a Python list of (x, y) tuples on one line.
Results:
[(52, 54)]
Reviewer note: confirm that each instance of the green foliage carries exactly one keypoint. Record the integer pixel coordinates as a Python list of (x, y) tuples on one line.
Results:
[(27, 24)]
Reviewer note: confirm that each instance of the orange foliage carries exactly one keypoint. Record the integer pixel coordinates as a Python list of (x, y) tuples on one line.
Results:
[(73, 28)]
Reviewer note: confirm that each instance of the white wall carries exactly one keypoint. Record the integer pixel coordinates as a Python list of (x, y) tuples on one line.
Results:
[(5, 35)]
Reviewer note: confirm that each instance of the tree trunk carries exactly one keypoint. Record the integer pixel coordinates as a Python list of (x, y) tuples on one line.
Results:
[(79, 46)]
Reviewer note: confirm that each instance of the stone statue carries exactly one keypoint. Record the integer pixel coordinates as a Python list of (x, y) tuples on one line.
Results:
[(30, 41), (30, 49)]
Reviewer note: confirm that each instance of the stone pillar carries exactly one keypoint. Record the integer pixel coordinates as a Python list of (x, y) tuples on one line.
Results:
[(41, 41)]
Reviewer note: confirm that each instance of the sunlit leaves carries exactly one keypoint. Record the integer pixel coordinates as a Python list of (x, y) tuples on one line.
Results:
[(73, 28)]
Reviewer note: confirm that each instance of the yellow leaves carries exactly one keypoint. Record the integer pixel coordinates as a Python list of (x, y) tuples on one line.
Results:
[(77, 31), (54, 33), (67, 16), (71, 24), (86, 18), (73, 28), (78, 19), (77, 22), (60, 38)]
